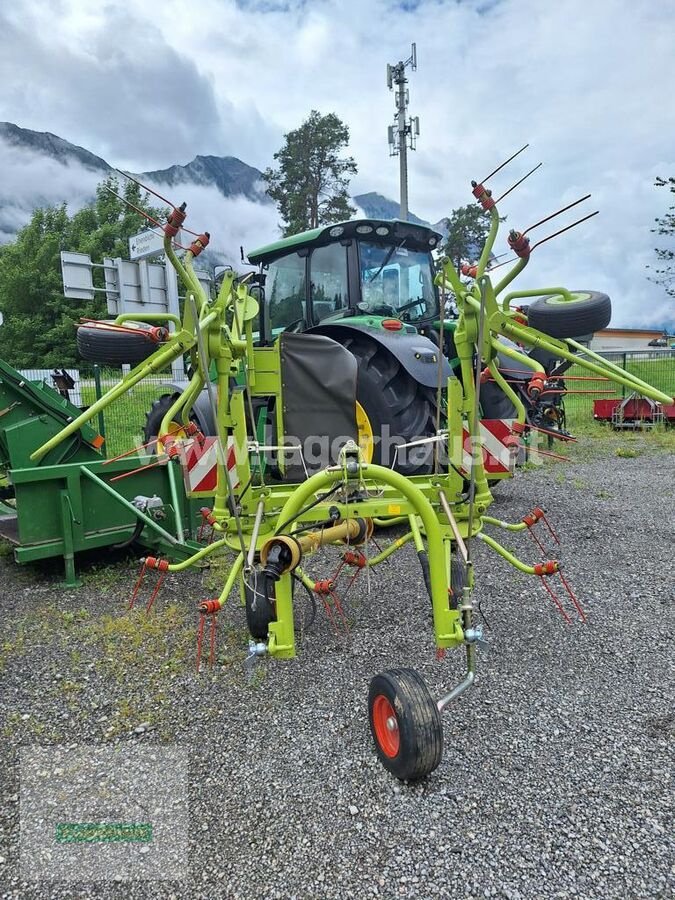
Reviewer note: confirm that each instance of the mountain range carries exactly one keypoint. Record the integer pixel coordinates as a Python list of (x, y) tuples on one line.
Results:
[(230, 176)]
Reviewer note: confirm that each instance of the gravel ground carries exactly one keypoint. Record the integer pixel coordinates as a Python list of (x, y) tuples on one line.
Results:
[(556, 779)]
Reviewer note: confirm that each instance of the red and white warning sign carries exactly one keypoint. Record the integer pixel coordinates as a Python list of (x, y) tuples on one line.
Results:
[(498, 447), (200, 466)]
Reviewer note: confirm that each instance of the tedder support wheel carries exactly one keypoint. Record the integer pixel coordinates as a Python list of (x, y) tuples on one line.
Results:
[(107, 344), (396, 407), (259, 610), (405, 724), (261, 613), (586, 313)]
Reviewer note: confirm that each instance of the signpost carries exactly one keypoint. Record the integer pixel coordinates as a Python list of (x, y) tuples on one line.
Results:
[(133, 285), (145, 243)]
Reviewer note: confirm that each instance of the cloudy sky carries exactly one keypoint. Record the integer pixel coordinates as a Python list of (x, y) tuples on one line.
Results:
[(588, 84)]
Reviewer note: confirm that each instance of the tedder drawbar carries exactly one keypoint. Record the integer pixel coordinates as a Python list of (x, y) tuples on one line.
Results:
[(302, 482)]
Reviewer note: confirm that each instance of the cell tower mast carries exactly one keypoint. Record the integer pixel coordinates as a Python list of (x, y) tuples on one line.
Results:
[(404, 132)]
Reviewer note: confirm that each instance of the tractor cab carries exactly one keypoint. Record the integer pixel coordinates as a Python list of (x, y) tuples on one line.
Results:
[(380, 270)]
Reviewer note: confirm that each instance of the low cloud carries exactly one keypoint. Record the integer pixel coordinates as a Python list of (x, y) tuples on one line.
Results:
[(36, 180), (145, 93), (232, 222)]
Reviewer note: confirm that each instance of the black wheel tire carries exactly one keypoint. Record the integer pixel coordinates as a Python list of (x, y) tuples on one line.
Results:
[(262, 612), (413, 748), (259, 610), (394, 402), (587, 313), (154, 416), (457, 581), (108, 346)]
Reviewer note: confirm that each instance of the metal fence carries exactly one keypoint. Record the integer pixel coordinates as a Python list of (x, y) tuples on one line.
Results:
[(122, 423), (655, 366)]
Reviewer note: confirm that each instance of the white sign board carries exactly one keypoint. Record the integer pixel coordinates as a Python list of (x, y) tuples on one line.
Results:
[(78, 280), (146, 243)]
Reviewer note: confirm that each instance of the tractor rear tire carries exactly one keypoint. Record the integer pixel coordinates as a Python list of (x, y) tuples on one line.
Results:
[(405, 724), (399, 409), (586, 313), (112, 347)]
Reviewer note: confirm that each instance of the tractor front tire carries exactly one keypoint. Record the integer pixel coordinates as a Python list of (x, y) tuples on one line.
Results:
[(154, 417), (586, 313), (398, 408), (405, 723)]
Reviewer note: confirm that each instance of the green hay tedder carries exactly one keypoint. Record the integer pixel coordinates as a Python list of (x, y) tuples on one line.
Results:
[(286, 470)]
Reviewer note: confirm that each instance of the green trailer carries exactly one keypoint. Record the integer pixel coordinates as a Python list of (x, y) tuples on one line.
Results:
[(75, 499)]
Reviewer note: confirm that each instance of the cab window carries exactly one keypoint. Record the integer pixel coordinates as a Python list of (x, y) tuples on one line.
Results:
[(285, 293), (328, 281)]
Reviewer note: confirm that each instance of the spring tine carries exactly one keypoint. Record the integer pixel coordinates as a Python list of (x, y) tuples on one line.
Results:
[(155, 194), (137, 209), (513, 187), (137, 586), (139, 469), (577, 605), (559, 212), (537, 541), (150, 443), (200, 637), (212, 650), (563, 230), (340, 610), (556, 601), (550, 527), (545, 453), (505, 163), (329, 613), (162, 576)]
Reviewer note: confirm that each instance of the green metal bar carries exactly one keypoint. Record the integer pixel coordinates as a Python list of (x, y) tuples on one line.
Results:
[(607, 370), (200, 554), (508, 278), (615, 369), (504, 553), (521, 414), (416, 534), (99, 394), (68, 541), (173, 490), (390, 523), (510, 526), (518, 357), (305, 579), (231, 577), (514, 295), (392, 548), (184, 401), (127, 505), (449, 273), (149, 317), (447, 628), (158, 360), (489, 243)]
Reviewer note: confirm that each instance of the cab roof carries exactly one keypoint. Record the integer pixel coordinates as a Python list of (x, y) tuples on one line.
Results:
[(385, 231)]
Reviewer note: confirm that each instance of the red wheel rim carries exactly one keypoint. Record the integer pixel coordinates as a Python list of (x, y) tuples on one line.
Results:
[(385, 726)]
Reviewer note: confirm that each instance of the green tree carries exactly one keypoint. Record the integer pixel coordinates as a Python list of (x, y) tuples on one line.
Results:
[(39, 322), (310, 184), (665, 226), (468, 228)]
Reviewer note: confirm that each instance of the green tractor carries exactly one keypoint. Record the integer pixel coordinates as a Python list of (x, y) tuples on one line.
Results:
[(370, 286)]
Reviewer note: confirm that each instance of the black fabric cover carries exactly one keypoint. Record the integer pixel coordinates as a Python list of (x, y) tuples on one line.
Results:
[(318, 378)]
